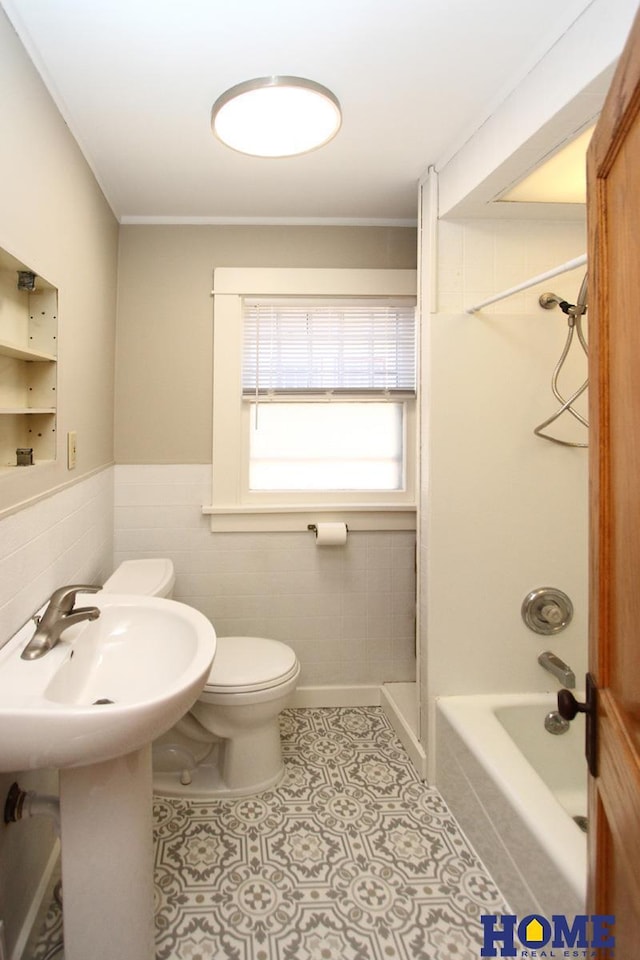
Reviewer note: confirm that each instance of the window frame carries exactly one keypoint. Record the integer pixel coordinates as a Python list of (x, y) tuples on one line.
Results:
[(235, 507)]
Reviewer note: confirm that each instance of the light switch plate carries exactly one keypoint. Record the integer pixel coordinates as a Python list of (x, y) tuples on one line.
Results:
[(71, 449)]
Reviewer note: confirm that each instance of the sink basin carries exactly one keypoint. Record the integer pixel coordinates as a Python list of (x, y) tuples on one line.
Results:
[(109, 687)]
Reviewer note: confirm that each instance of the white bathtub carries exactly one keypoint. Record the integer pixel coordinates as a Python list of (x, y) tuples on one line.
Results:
[(515, 789)]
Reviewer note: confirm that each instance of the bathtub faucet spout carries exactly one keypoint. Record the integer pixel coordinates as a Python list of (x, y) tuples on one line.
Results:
[(558, 668)]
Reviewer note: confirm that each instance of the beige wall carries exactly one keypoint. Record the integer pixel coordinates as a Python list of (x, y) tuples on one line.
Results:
[(54, 218), (164, 342)]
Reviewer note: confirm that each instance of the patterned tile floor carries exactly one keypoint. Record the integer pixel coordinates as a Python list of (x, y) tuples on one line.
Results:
[(350, 858)]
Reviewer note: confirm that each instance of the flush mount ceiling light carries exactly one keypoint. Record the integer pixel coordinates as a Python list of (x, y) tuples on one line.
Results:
[(276, 116)]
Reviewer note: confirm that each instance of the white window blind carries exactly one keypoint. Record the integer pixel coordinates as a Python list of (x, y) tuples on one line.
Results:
[(353, 347)]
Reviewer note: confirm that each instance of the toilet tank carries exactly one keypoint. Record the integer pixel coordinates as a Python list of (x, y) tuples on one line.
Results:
[(149, 577)]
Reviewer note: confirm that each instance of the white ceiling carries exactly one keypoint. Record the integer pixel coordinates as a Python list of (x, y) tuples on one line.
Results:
[(135, 80)]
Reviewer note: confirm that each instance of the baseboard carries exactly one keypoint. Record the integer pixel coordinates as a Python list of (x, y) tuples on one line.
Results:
[(357, 695), (405, 734), (38, 905)]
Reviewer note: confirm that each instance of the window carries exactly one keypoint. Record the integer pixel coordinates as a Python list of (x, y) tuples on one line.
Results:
[(314, 397), (326, 446)]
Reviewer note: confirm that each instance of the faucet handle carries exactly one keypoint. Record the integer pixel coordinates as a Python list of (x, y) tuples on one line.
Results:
[(552, 613), (65, 597)]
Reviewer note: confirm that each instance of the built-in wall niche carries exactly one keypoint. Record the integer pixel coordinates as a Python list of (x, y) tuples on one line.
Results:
[(28, 365)]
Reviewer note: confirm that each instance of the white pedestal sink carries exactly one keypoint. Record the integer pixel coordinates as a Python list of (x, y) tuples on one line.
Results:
[(91, 706)]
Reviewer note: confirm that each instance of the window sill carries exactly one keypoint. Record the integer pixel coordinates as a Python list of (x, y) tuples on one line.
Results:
[(279, 519)]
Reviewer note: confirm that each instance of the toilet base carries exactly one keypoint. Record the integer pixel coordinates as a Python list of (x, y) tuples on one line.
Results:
[(207, 783)]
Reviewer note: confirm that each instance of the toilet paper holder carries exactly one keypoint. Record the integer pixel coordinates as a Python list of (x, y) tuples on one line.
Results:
[(314, 527), (329, 533)]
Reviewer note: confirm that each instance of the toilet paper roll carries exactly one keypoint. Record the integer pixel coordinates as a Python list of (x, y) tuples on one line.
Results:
[(331, 534)]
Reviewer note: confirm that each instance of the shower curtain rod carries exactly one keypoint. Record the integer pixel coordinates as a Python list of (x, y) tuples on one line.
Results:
[(563, 268)]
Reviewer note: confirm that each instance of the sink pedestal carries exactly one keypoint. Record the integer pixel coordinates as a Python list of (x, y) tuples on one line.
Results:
[(107, 859)]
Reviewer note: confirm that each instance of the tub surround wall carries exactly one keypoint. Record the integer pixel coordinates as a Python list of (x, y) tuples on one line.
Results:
[(504, 511), (348, 612)]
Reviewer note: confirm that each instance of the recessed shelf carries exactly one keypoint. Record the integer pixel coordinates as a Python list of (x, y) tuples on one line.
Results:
[(24, 353), (28, 364), (9, 467), (21, 411)]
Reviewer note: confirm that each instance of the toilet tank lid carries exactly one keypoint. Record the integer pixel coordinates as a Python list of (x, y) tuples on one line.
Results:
[(152, 577)]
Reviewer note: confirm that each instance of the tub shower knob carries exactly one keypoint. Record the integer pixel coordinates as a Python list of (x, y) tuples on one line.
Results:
[(547, 610), (552, 613)]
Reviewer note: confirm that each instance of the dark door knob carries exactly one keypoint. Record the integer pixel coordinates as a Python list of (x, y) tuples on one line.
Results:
[(569, 708)]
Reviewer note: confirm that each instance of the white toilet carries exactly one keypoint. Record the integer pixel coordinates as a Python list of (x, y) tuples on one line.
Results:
[(228, 745)]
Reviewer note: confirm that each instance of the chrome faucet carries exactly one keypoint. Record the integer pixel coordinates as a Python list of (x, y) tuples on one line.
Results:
[(558, 668), (59, 615)]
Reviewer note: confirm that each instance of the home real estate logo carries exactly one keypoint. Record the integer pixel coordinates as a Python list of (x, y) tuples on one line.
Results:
[(535, 936)]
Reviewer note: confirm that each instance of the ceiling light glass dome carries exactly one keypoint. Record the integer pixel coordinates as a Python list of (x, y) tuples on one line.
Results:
[(276, 116)]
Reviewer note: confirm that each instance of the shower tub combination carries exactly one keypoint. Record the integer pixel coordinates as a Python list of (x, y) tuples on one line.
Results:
[(515, 789)]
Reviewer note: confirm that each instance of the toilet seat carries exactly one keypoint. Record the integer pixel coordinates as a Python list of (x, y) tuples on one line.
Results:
[(250, 664)]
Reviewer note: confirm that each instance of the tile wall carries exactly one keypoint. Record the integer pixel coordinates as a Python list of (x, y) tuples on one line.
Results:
[(349, 612), (479, 258), (64, 538)]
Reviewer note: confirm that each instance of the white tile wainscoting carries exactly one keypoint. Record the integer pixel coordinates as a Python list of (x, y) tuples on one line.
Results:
[(66, 537), (348, 612)]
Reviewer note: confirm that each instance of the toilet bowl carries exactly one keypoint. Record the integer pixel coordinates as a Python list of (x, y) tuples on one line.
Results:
[(228, 745)]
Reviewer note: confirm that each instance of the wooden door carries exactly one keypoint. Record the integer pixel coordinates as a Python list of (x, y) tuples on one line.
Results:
[(614, 327)]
